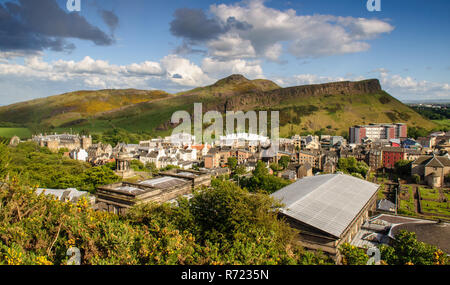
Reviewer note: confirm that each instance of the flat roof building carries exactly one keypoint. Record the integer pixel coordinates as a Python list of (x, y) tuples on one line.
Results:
[(118, 197), (376, 132)]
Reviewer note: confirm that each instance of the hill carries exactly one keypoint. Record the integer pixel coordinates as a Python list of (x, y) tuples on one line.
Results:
[(232, 85), (74, 107), (329, 108)]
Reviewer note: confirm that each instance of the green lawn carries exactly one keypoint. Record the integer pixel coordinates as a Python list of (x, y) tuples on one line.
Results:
[(447, 195), (442, 123), (432, 194), (436, 207), (407, 206), (381, 194), (23, 133)]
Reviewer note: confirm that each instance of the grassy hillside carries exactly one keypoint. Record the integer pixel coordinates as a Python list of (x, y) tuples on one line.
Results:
[(74, 107), (8, 133), (233, 85), (327, 108)]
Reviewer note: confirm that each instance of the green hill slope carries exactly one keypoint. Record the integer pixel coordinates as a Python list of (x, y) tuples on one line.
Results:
[(74, 107), (330, 108)]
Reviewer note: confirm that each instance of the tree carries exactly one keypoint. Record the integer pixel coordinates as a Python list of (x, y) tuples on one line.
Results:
[(275, 167), (232, 163), (403, 167), (414, 132), (351, 255), (416, 178), (260, 170), (137, 165), (357, 175), (284, 161), (406, 249), (351, 165), (98, 176), (240, 170)]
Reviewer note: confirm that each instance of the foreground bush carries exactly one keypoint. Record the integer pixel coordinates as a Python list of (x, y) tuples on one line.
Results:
[(223, 225)]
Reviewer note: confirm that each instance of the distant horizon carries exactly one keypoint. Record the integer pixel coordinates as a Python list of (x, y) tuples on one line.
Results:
[(131, 88)]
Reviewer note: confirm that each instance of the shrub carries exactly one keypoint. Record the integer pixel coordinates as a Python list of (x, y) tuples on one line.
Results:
[(351, 255)]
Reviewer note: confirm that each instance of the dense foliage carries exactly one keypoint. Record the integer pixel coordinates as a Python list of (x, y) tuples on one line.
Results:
[(403, 167), (415, 133), (433, 113), (351, 255), (405, 250), (118, 135), (221, 225), (263, 181), (39, 166), (352, 166)]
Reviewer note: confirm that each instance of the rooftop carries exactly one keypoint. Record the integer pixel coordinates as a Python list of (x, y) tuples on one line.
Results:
[(327, 202)]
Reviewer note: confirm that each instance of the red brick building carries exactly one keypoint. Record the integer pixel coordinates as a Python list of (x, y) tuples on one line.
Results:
[(391, 155)]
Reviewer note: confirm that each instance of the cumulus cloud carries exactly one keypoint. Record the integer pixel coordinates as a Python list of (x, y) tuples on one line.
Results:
[(251, 29), (220, 69), (96, 73), (407, 87), (307, 79), (184, 72), (22, 27)]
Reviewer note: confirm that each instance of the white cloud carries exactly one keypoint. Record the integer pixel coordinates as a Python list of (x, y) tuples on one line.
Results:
[(304, 36), (219, 69), (231, 46), (306, 79), (145, 68), (184, 72), (406, 87)]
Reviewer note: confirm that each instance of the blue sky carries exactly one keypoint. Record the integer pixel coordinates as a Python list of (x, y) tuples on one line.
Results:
[(178, 45)]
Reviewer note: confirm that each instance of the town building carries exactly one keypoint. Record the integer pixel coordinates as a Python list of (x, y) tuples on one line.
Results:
[(79, 154), (328, 210), (314, 158), (56, 142), (432, 169), (392, 155), (119, 197), (377, 132)]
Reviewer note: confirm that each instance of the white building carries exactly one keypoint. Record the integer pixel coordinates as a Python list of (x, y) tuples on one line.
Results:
[(79, 154), (243, 139)]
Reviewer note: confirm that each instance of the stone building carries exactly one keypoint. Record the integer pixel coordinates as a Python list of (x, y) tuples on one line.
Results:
[(314, 158), (304, 170), (328, 210), (118, 197), (99, 149), (432, 169), (197, 178), (56, 142), (329, 167), (123, 168)]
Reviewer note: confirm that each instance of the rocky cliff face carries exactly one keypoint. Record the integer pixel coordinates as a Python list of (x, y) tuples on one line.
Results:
[(278, 96)]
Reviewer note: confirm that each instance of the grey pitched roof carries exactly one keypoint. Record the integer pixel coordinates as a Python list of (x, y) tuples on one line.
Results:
[(433, 161), (385, 205), (326, 202)]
